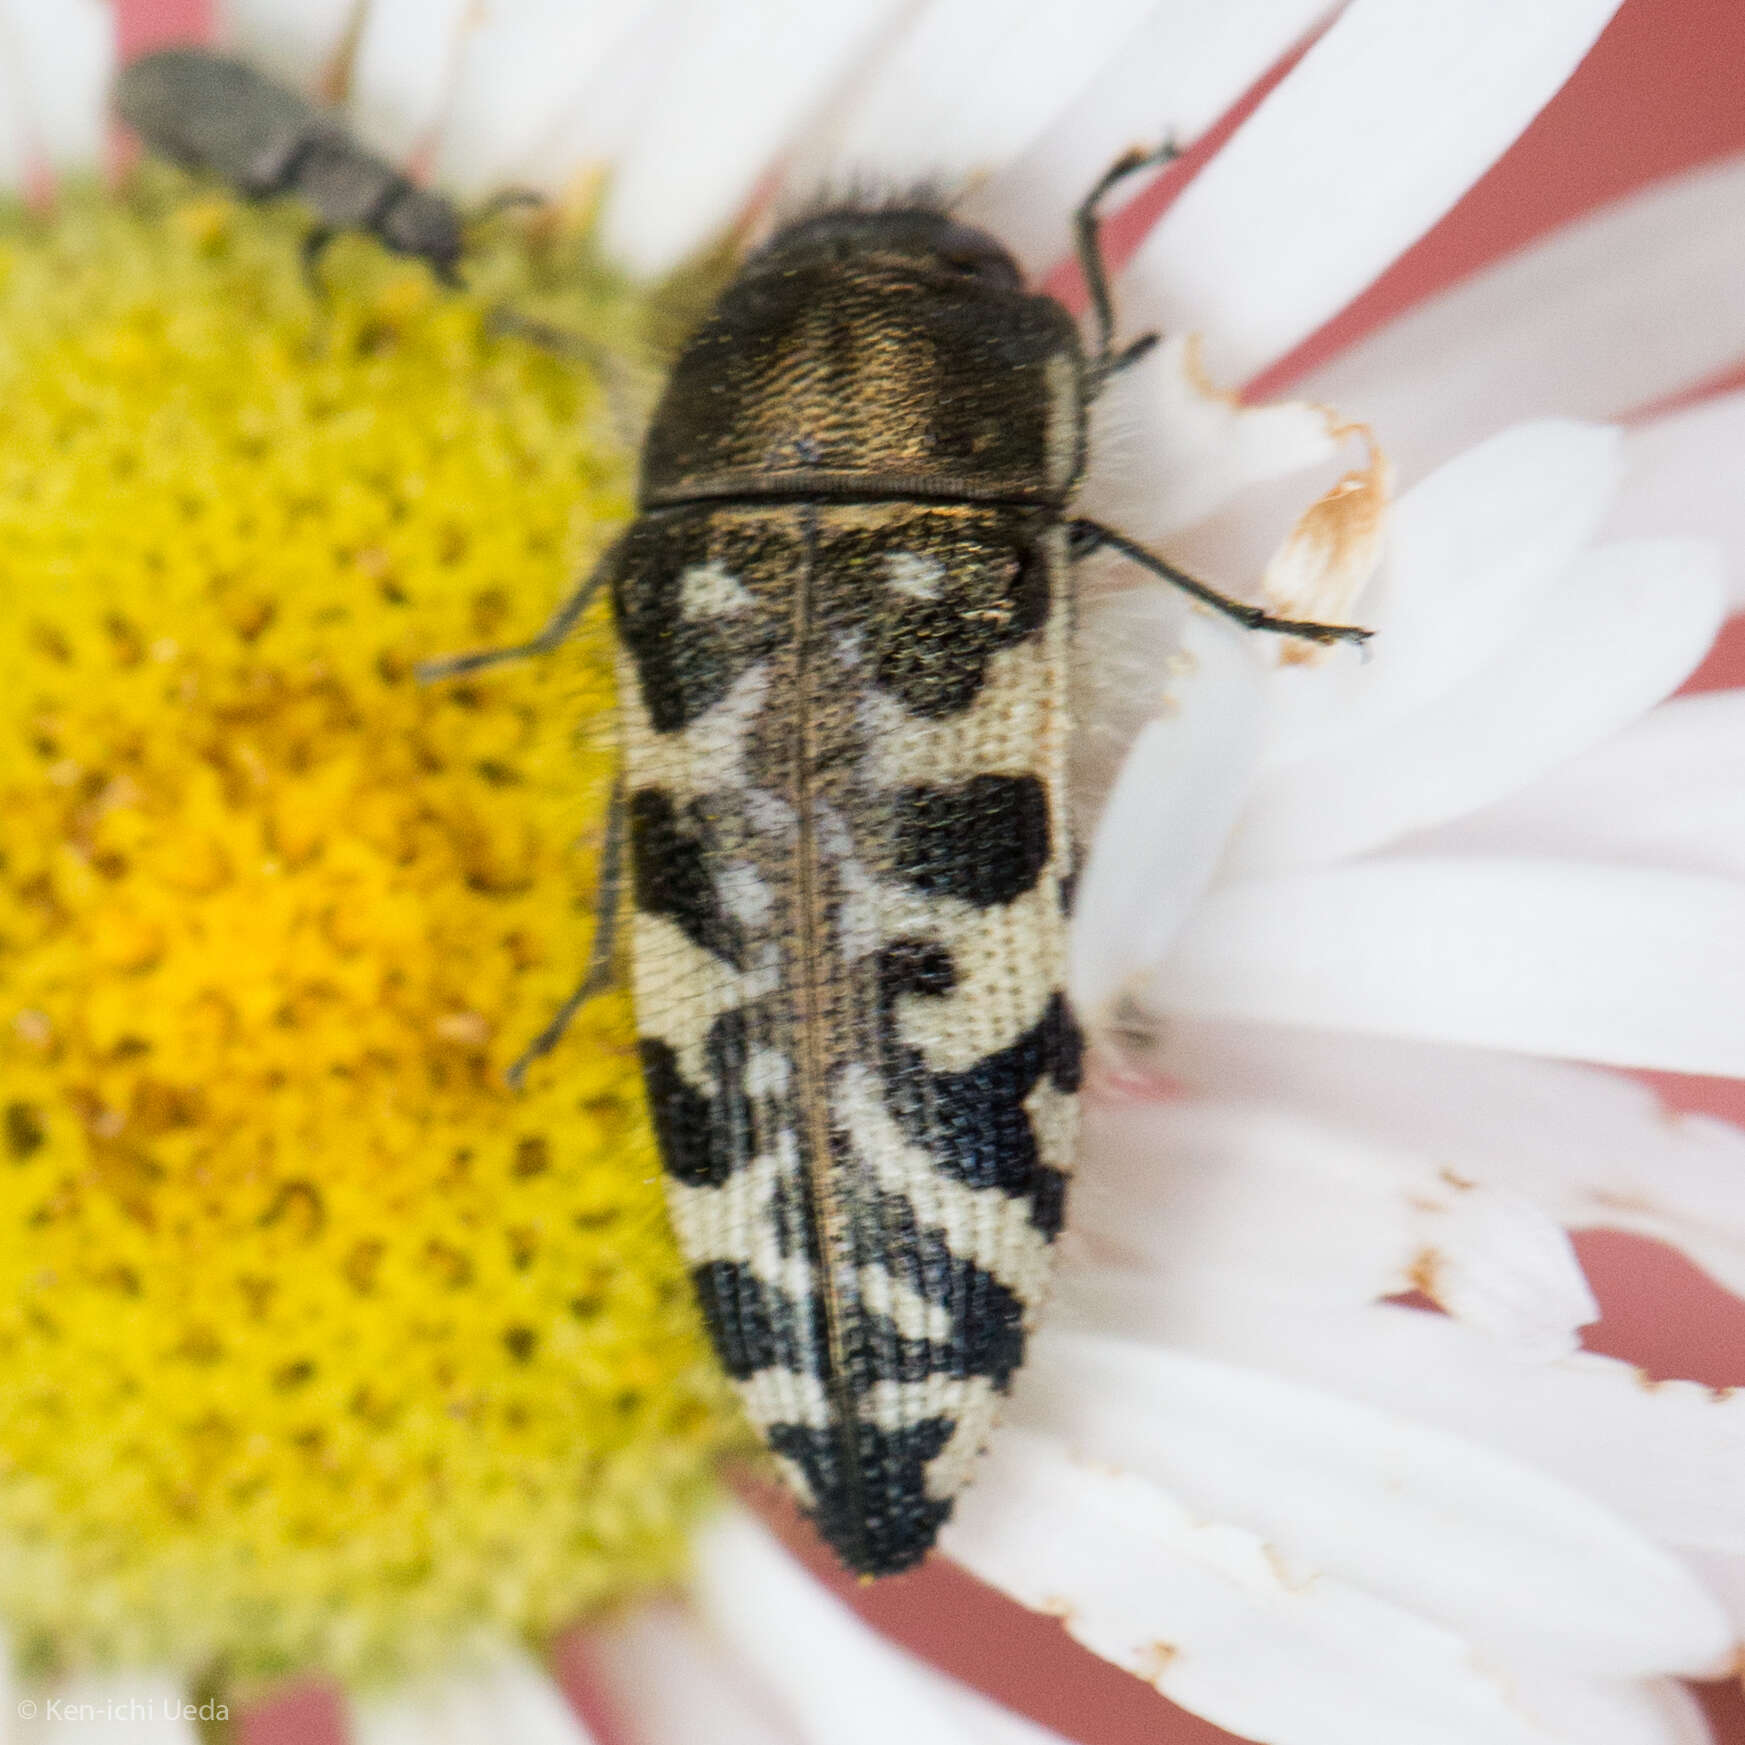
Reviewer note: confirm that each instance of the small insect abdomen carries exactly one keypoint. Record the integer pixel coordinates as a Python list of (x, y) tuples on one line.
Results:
[(845, 738)]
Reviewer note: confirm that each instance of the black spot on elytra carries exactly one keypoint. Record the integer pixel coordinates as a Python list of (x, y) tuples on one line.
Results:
[(986, 1334), (707, 1132), (915, 966), (670, 861), (684, 667), (984, 841), (1048, 1201), (933, 654), (870, 1498), (973, 1123), (755, 1326)]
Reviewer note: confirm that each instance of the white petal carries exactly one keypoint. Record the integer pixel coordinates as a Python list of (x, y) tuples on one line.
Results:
[(1474, 548), (141, 1707), (1260, 1209), (738, 83), (965, 87), (1724, 1574), (1204, 1612), (1610, 964), (840, 1681), (1594, 1150), (675, 1684), (1624, 627), (1650, 1711), (409, 60), (1382, 126), (56, 63), (1171, 79), (294, 43), (1169, 449), (1437, 1524), (527, 68), (1669, 790), (1682, 476), (1663, 1455), (508, 1698), (1166, 819), (1611, 313)]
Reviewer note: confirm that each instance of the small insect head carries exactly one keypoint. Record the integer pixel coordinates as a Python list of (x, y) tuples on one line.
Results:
[(423, 224)]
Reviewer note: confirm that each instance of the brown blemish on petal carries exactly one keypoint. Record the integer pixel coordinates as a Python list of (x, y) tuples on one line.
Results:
[(1615, 1202), (1329, 556), (1194, 368), (1425, 1271), (1286, 1577), (1154, 1659)]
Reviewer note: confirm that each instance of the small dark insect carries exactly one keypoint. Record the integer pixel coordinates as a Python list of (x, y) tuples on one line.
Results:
[(220, 117), (843, 615)]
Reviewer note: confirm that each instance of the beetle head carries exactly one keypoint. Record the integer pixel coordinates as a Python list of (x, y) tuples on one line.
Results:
[(426, 225)]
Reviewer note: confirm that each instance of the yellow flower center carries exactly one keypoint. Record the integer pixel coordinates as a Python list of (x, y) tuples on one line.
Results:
[(319, 1347)]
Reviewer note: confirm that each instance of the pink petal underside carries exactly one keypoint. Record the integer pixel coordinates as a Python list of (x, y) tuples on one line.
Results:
[(1382, 126), (1611, 313)]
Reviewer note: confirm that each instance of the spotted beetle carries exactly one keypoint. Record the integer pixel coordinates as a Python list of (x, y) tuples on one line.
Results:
[(842, 616)]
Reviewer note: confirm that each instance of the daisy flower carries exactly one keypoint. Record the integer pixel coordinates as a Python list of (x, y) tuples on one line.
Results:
[(326, 1355)]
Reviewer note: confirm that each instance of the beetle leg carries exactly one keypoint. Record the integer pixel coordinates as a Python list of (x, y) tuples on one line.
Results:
[(616, 380), (1086, 537), (314, 247), (502, 200), (563, 621), (598, 976), (1088, 227)]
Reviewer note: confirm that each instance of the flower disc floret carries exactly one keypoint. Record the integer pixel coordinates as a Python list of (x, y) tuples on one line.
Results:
[(320, 1346)]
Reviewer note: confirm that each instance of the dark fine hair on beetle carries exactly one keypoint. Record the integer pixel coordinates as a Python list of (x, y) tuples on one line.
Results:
[(844, 613), (217, 116)]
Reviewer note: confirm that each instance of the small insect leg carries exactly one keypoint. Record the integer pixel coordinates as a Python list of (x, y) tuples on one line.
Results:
[(598, 976), (563, 621), (1088, 536), (503, 200), (1088, 227), (617, 382), (314, 247)]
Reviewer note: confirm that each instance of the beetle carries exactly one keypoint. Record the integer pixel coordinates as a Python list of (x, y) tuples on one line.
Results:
[(218, 116), (842, 617)]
